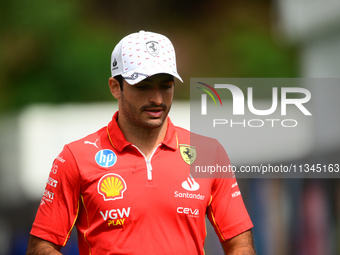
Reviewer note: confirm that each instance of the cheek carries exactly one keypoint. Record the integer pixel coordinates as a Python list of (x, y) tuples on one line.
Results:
[(168, 95), (132, 104)]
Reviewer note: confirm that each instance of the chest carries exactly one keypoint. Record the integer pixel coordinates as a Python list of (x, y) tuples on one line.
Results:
[(121, 188)]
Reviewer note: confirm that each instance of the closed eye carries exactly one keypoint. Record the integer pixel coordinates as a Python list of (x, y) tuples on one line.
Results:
[(167, 85), (142, 86)]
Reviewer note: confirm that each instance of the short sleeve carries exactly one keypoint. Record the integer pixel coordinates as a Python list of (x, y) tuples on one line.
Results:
[(226, 211), (59, 205)]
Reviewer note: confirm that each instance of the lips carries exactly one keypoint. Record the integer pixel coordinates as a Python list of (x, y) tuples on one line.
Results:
[(154, 112)]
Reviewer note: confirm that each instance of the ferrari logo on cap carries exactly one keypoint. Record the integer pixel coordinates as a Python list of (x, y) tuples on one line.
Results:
[(188, 153), (153, 48)]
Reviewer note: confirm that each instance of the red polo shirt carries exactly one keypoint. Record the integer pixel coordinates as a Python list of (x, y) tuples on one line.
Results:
[(123, 203)]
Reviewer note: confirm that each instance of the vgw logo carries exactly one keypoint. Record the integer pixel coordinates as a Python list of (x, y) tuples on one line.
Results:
[(238, 104), (106, 158)]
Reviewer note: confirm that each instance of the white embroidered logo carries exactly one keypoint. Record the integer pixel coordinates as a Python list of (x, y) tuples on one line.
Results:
[(94, 144), (190, 184)]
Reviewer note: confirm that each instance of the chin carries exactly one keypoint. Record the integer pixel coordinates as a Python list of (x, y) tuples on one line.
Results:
[(154, 123)]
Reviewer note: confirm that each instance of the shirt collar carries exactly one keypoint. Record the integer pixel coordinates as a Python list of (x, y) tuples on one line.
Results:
[(119, 142)]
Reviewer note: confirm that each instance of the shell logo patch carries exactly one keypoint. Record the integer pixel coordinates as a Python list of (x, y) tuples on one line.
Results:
[(111, 187), (188, 153)]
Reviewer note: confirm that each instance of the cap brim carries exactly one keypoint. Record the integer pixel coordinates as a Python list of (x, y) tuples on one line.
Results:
[(139, 74)]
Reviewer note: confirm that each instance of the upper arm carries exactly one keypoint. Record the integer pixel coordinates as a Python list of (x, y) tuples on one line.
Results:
[(39, 246), (241, 244), (59, 206), (227, 211)]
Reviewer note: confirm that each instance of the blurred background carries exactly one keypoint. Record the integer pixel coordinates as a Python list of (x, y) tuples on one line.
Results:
[(54, 67)]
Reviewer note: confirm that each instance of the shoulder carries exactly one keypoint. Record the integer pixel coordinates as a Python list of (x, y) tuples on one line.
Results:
[(94, 139), (195, 139), (206, 154), (79, 154)]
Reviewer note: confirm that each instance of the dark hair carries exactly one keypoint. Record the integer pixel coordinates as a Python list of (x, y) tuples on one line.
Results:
[(120, 80)]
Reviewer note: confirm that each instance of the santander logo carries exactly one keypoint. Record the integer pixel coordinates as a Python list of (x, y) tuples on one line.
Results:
[(190, 184)]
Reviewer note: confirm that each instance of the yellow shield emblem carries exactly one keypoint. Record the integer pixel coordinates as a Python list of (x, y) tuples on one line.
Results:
[(188, 153)]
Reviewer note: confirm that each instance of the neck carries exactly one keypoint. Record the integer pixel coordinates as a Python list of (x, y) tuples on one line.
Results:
[(146, 139)]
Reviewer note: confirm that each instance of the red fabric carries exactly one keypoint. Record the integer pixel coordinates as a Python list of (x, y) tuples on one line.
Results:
[(119, 209)]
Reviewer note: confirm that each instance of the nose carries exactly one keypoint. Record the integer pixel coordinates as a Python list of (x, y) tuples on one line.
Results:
[(156, 96)]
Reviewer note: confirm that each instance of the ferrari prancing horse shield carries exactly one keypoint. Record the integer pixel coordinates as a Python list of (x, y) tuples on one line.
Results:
[(188, 153), (153, 48)]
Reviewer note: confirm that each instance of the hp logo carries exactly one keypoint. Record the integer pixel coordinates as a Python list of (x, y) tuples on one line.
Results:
[(106, 158)]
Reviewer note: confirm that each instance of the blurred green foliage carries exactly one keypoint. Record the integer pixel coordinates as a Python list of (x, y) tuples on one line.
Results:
[(59, 51), (49, 53)]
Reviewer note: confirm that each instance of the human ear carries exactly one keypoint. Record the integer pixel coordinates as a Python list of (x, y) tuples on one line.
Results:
[(114, 87)]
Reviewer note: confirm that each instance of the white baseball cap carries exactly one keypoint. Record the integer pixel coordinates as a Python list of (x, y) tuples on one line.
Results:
[(141, 55)]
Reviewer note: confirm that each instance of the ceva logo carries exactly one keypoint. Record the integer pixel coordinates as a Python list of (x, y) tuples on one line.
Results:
[(106, 158), (188, 211)]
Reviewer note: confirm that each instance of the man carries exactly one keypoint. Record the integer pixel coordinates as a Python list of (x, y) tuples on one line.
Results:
[(127, 188)]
